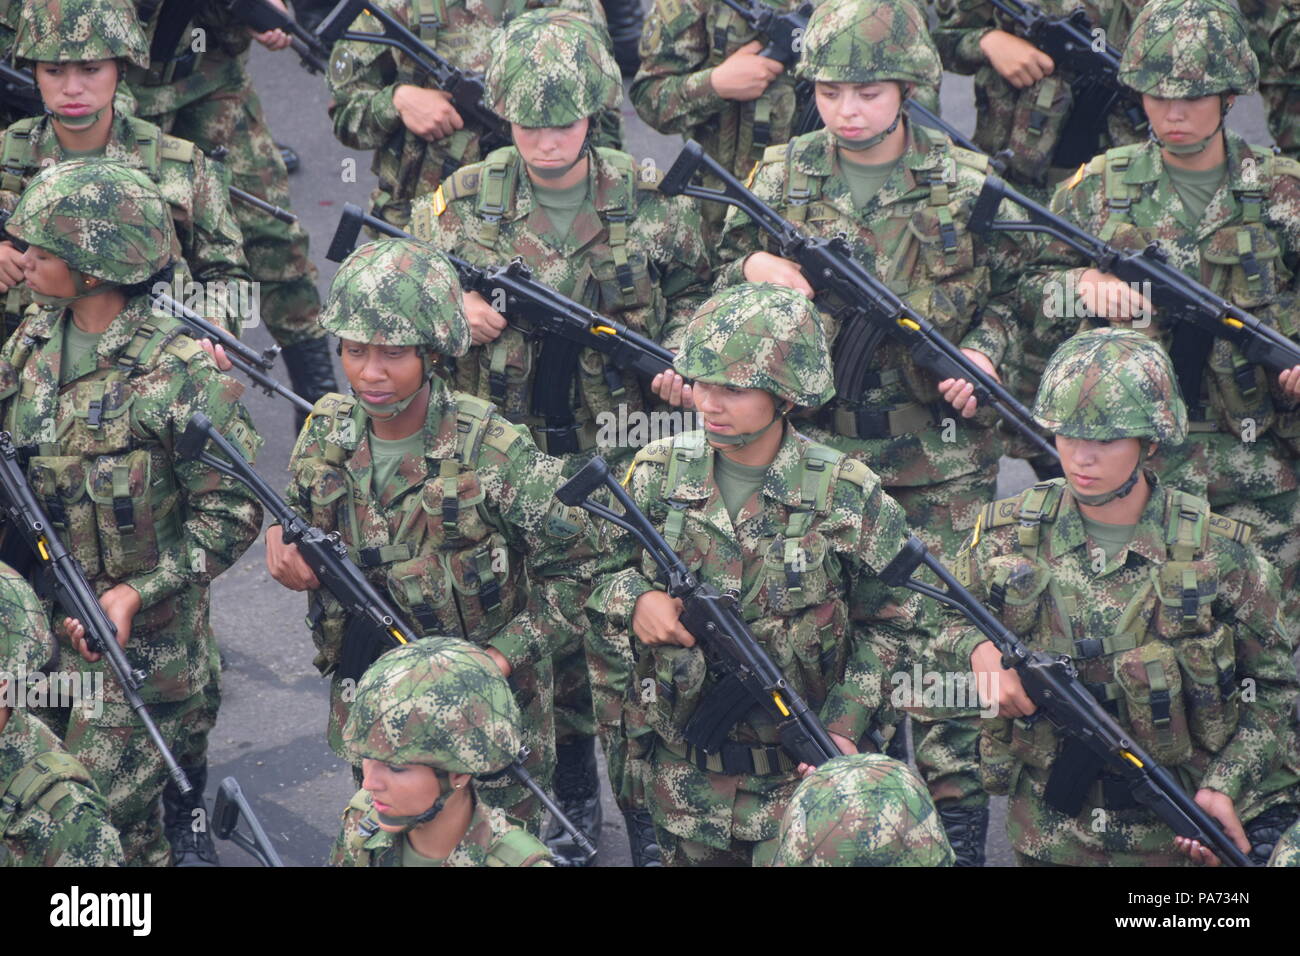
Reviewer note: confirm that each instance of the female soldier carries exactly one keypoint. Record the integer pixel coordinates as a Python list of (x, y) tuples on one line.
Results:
[(793, 528), (1169, 614), (439, 499), (902, 197), (427, 718), (97, 389)]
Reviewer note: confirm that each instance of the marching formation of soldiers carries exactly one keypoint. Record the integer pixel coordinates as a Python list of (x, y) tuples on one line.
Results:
[(514, 580)]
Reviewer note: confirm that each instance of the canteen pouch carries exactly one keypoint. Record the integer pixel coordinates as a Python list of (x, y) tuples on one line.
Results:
[(1151, 680)]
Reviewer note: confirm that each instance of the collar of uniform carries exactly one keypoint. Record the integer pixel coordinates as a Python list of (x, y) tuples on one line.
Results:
[(479, 836), (695, 480), (924, 153), (439, 435), (1148, 536), (48, 324), (603, 178), (120, 146), (1148, 164)]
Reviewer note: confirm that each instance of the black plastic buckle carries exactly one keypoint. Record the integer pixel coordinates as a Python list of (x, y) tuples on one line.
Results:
[(124, 514), (1088, 648), (561, 440)]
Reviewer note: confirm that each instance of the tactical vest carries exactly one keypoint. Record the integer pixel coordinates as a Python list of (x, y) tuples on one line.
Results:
[(47, 782), (1172, 672), (493, 186), (111, 494), (444, 565), (729, 32)]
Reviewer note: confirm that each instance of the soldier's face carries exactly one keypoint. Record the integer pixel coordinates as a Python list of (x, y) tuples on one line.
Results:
[(550, 148), (382, 374), (858, 110), (400, 790), (728, 410), (1183, 121), (1096, 467), (77, 89), (46, 273)]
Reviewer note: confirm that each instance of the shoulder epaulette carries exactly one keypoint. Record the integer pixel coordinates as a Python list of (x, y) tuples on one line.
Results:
[(852, 470), (463, 182), (177, 149), (774, 154), (969, 159), (1002, 512), (515, 848), (184, 348), (1230, 528), (657, 451)]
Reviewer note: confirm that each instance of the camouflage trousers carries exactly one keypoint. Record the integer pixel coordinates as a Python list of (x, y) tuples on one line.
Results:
[(946, 739), (1282, 102), (705, 818), (127, 769), (534, 690), (232, 117), (193, 750)]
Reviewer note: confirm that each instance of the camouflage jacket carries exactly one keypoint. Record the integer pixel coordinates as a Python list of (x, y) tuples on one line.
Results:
[(801, 555), (211, 54), (491, 840), (683, 41), (1284, 37), (913, 234), (1028, 121), (128, 510), (1287, 851), (209, 244), (364, 76), (449, 537), (50, 812), (1179, 635), (1246, 247), (650, 272)]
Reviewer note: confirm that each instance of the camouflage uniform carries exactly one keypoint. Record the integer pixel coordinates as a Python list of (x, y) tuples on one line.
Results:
[(100, 446), (9, 10), (1244, 433), (440, 702), (208, 98), (939, 466), (1205, 687), (364, 76), (50, 812), (1279, 86), (631, 254), (802, 552), (1287, 852), (684, 40), (449, 535), (863, 810)]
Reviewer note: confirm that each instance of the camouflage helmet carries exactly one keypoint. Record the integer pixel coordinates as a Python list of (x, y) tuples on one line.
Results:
[(65, 31), (440, 701), (101, 217), (759, 335), (552, 67), (1184, 49), (862, 810), (867, 41), (1111, 383), (26, 644), (398, 292)]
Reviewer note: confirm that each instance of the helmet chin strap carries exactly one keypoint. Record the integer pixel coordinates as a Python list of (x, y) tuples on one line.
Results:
[(84, 121), (1122, 491), (409, 823), (740, 441), (1201, 145), (393, 409)]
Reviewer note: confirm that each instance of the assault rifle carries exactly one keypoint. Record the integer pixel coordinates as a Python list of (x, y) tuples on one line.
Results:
[(230, 806), (564, 326), (18, 88), (748, 677), (1094, 739), (782, 30), (256, 365), (374, 625), (262, 16), (467, 92), (1080, 48), (1195, 313), (66, 579), (869, 309)]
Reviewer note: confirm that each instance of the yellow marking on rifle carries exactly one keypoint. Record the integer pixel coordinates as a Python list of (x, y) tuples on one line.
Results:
[(1234, 323), (1131, 759), (40, 544), (400, 638), (909, 324), (628, 476), (780, 704), (1077, 177), (975, 535), (749, 180), (604, 330)]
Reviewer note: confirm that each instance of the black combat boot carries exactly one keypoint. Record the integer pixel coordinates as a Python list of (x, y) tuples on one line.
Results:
[(577, 791), (190, 846), (311, 371), (641, 837), (967, 829), (1265, 830), (625, 19)]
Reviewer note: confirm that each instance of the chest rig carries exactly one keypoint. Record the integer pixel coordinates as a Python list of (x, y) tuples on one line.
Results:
[(730, 32), (46, 783)]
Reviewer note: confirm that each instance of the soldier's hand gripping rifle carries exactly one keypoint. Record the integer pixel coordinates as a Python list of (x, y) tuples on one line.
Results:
[(467, 92), (66, 579), (782, 31), (256, 365), (868, 308), (564, 326), (1196, 314), (262, 16), (747, 676), (1052, 683), (230, 806), (1091, 62)]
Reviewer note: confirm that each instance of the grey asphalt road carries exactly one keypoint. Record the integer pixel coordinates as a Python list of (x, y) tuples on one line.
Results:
[(271, 731)]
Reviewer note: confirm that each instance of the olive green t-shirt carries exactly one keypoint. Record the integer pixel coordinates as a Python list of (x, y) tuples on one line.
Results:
[(1111, 538), (1196, 187), (562, 206), (413, 857), (736, 482), (865, 179), (78, 356), (386, 455)]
